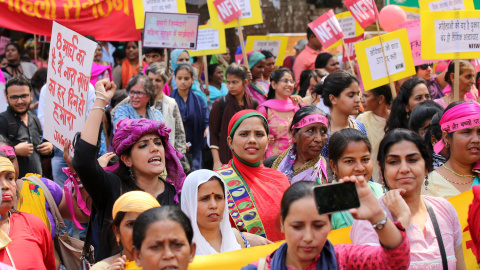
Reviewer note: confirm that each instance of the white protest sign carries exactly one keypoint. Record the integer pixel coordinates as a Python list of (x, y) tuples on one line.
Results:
[(3, 100), (171, 30), (210, 40), (166, 6), (69, 68), (348, 26), (393, 54), (450, 38)]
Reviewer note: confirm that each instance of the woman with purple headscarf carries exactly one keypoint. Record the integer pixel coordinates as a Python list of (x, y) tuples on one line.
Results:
[(145, 153)]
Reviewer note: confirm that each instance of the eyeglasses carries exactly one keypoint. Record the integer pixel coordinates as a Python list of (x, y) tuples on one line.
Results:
[(425, 66), (137, 93), (15, 98), (288, 81)]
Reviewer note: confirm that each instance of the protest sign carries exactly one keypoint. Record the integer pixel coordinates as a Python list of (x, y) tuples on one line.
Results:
[(251, 14), (443, 5), (69, 68), (164, 6), (451, 34), (364, 11), (412, 13), (350, 27), (398, 59), (414, 36), (171, 30), (3, 99), (210, 40), (3, 43), (350, 48), (327, 29), (274, 44), (228, 10)]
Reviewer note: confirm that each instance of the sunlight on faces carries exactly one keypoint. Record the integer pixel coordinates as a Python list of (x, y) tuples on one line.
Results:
[(369, 101), (132, 51), (464, 145), (425, 74), (250, 140), (14, 161), (218, 75), (157, 80), (466, 80), (183, 79), (332, 65), (420, 93), (125, 230), (11, 53), (355, 160), (183, 58), (283, 88), (258, 69), (165, 247), (136, 101), (405, 167), (269, 67), (305, 231), (235, 85), (21, 105), (147, 157), (310, 140), (9, 189), (210, 205), (153, 57), (98, 54), (349, 100)]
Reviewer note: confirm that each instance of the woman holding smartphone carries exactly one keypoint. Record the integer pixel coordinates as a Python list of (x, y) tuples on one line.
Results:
[(306, 231), (405, 162)]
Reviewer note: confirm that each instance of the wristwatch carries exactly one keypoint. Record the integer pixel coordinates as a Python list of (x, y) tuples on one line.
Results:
[(381, 224)]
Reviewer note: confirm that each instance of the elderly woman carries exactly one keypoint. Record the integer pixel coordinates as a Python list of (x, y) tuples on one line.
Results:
[(144, 151), (302, 160), (205, 203), (126, 210), (249, 182), (14, 66), (405, 162), (25, 241), (460, 124), (142, 97), (257, 89)]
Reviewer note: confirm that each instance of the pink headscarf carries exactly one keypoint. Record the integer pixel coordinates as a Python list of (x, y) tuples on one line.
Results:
[(463, 115), (129, 131)]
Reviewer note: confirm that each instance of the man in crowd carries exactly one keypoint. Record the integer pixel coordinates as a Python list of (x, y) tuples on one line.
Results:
[(306, 59)]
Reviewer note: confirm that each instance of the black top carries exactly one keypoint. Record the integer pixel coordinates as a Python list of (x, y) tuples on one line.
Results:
[(104, 188)]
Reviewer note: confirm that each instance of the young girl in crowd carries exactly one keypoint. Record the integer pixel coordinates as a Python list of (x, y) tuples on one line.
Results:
[(224, 109), (350, 154), (466, 83), (205, 203), (460, 124), (279, 110), (376, 103), (412, 92), (405, 162), (216, 87), (194, 113), (169, 229), (180, 57), (125, 211), (306, 231), (257, 88), (144, 151)]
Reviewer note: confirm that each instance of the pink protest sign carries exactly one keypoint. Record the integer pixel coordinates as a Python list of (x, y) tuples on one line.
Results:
[(363, 11), (228, 10), (3, 43), (327, 29), (349, 45), (171, 30), (413, 31)]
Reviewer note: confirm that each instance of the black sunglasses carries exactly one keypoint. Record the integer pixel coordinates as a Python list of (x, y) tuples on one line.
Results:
[(425, 66)]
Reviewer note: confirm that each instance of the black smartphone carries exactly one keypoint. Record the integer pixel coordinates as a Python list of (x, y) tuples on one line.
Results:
[(337, 197)]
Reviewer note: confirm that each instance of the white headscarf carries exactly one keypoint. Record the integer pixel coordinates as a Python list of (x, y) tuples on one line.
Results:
[(189, 207)]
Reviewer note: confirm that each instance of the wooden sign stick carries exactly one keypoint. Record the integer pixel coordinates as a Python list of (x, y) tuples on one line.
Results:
[(392, 86), (242, 44), (348, 56), (205, 73), (140, 56), (456, 82), (35, 47)]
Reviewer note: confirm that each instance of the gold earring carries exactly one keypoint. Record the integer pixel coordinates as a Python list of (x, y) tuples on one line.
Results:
[(118, 241), (447, 145)]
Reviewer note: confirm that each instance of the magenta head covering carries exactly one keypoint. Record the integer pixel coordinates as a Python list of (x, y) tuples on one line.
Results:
[(129, 131), (461, 116)]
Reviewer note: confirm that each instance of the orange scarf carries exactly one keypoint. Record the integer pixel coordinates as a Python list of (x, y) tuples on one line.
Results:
[(128, 71)]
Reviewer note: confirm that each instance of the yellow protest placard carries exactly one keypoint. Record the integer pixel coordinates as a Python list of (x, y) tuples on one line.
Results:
[(251, 14), (350, 27), (450, 34), (277, 45), (442, 5), (398, 53), (412, 13), (168, 6), (210, 40)]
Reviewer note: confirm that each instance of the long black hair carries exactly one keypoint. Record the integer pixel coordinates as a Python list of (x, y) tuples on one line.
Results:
[(334, 84), (275, 77), (422, 113)]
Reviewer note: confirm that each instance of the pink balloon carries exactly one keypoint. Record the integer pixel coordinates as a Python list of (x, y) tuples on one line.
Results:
[(390, 16)]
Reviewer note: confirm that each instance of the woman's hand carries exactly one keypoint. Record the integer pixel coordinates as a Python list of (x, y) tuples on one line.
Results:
[(67, 157), (205, 133), (369, 207), (105, 88), (297, 100), (118, 264), (249, 76), (397, 206), (256, 240), (103, 160)]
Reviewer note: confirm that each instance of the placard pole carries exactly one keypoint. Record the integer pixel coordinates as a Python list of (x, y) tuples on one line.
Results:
[(165, 53), (205, 71), (348, 56), (392, 86), (456, 82), (140, 56), (242, 44)]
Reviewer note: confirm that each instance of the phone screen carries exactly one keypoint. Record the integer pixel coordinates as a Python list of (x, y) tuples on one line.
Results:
[(336, 197)]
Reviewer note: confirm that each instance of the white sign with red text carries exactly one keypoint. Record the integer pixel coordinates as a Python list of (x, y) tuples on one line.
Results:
[(363, 11), (69, 69), (327, 29)]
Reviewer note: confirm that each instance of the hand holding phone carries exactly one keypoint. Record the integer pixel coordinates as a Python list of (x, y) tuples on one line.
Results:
[(337, 197)]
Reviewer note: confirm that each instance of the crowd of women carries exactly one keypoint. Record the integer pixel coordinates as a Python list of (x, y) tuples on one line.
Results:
[(200, 168)]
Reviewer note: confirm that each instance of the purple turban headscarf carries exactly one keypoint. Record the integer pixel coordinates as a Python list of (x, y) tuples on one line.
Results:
[(129, 131)]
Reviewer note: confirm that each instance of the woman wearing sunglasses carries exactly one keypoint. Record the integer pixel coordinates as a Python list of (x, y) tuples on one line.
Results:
[(435, 83), (142, 97)]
